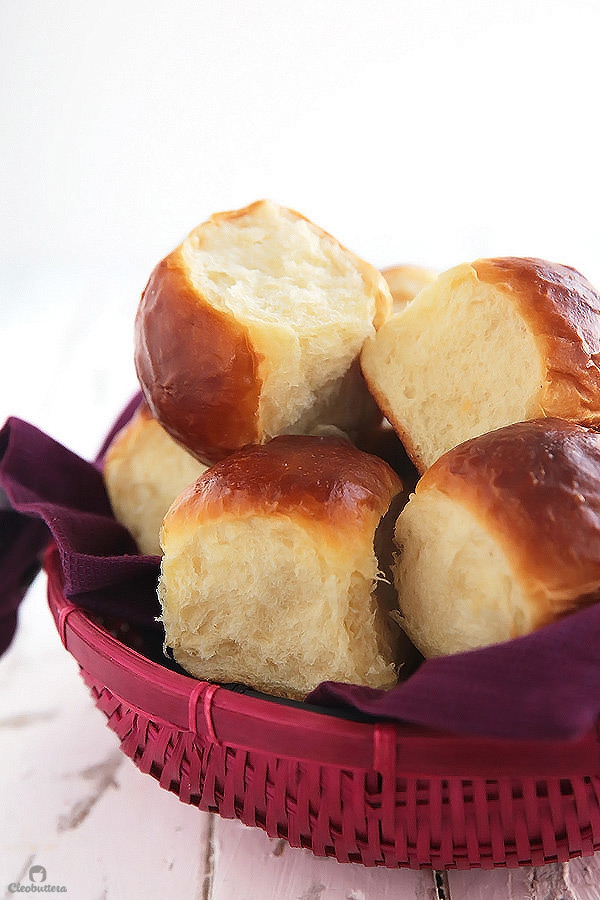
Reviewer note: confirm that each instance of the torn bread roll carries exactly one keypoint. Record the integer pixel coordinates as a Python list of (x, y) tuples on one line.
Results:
[(144, 471), (405, 282), (269, 574), (501, 537), (253, 327), (487, 344)]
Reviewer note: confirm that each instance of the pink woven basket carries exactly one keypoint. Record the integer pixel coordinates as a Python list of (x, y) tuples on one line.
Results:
[(372, 793)]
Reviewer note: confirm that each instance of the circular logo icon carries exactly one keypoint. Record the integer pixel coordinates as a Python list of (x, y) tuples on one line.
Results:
[(37, 874)]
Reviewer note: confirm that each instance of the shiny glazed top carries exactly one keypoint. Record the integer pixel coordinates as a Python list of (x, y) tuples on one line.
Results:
[(536, 486), (562, 309), (322, 479), (196, 366)]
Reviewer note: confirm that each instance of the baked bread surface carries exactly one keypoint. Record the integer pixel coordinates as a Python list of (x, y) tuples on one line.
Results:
[(501, 537), (253, 327), (405, 281), (144, 472), (563, 312), (269, 573), (487, 344)]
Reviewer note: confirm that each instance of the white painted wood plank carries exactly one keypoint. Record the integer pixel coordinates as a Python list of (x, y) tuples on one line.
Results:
[(498, 884), (71, 801), (582, 878), (248, 865), (576, 880)]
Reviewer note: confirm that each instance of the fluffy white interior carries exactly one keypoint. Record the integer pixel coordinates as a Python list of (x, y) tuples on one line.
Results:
[(457, 362), (456, 588), (301, 296), (144, 472), (281, 621)]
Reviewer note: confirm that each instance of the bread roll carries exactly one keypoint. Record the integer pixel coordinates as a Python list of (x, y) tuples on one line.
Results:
[(406, 281), (269, 573), (144, 471), (253, 327), (495, 342), (501, 537)]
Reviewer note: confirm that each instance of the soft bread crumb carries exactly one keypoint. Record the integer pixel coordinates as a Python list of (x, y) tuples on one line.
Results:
[(305, 303), (459, 361), (456, 588), (280, 620), (144, 471)]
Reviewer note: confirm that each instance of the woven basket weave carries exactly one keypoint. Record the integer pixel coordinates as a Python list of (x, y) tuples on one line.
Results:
[(373, 793)]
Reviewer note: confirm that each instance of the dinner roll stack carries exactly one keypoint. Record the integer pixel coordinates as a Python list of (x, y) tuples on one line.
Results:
[(485, 345), (269, 574), (501, 537), (253, 327), (144, 471)]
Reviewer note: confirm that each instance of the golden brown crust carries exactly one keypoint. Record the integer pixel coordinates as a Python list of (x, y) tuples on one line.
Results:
[(124, 435), (196, 366), (318, 479), (563, 311), (143, 412), (536, 487)]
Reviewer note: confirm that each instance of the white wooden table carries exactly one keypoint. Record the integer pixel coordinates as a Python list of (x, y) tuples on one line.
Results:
[(71, 802), (74, 804)]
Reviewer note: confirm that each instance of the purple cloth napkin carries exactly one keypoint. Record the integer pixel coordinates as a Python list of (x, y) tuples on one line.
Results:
[(543, 686), (51, 492), (21, 541)]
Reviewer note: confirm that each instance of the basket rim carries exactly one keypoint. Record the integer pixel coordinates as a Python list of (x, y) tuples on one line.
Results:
[(294, 730)]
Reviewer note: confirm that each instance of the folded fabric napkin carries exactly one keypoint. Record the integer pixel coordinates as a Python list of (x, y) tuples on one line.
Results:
[(52, 494), (542, 686)]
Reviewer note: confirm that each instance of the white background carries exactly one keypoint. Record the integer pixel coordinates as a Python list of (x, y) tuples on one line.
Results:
[(430, 132)]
